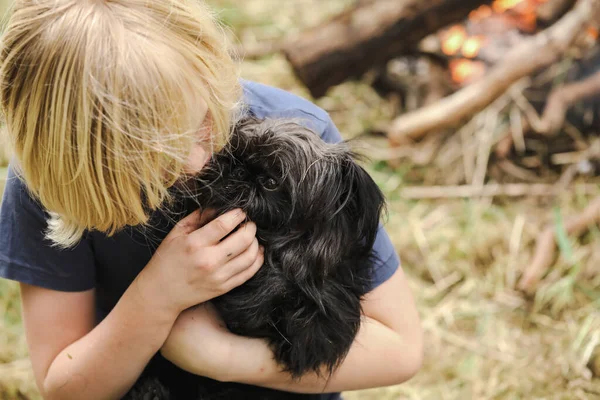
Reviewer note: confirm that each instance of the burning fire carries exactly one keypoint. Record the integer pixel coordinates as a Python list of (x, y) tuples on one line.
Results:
[(466, 71), (481, 13), (500, 6), (454, 39), (472, 45), (457, 42)]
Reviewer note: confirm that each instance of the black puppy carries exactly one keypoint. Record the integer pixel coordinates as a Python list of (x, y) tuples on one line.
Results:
[(317, 214)]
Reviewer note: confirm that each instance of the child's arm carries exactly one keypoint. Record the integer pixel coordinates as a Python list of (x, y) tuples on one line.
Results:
[(74, 359), (387, 351)]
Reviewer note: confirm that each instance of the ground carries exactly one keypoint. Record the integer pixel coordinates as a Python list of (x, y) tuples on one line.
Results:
[(484, 339)]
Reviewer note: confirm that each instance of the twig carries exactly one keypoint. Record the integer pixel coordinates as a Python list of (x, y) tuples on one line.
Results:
[(563, 98), (489, 190), (514, 245), (520, 173), (546, 245), (527, 108), (566, 178), (531, 55), (486, 138), (466, 137), (517, 130), (552, 10)]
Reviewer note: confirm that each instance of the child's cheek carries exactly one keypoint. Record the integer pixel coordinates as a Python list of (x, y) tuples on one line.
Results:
[(197, 159)]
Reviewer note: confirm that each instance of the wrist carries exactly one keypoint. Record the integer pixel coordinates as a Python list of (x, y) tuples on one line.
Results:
[(146, 290)]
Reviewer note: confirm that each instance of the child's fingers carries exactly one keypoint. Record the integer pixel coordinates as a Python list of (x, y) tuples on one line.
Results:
[(246, 273), (237, 243), (207, 215), (218, 228), (241, 262)]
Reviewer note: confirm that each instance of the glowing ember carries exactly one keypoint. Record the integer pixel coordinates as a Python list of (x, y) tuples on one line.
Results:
[(522, 13), (593, 32), (464, 71), (523, 6), (467, 40), (454, 39), (482, 12), (472, 45), (500, 6)]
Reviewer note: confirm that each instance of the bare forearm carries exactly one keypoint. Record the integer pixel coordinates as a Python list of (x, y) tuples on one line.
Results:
[(378, 357), (106, 362)]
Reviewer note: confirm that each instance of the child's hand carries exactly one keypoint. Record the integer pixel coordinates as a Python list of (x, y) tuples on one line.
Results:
[(192, 265), (199, 343)]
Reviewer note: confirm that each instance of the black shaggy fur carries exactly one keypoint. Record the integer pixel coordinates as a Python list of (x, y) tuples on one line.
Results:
[(317, 213)]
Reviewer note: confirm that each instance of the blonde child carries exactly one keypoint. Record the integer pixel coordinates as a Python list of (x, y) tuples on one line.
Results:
[(108, 104)]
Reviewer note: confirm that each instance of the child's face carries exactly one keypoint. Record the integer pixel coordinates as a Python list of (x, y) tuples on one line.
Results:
[(200, 153)]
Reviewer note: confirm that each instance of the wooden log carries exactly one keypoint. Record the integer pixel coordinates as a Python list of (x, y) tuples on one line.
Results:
[(368, 35), (531, 55)]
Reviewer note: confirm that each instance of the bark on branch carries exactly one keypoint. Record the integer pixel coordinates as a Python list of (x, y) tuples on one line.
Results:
[(368, 35)]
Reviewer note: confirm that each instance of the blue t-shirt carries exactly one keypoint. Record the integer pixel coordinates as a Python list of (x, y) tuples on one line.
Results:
[(110, 264)]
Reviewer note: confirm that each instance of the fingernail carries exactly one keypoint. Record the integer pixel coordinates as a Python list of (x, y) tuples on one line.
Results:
[(237, 214)]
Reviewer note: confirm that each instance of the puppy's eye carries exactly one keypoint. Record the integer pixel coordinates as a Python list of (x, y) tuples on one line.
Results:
[(267, 182), (239, 174)]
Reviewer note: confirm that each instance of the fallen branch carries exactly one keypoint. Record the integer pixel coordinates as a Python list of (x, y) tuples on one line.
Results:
[(369, 34), (552, 120), (489, 190), (563, 98), (531, 55), (545, 248), (550, 11)]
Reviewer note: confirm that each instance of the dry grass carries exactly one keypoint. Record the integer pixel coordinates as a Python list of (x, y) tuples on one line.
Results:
[(463, 257)]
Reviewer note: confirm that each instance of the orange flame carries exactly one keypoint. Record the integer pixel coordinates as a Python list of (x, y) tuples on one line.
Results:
[(500, 6), (472, 45), (523, 12), (519, 14), (464, 71), (481, 13), (453, 40)]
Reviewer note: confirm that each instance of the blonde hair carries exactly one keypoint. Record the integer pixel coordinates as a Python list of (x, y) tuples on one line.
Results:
[(102, 103)]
